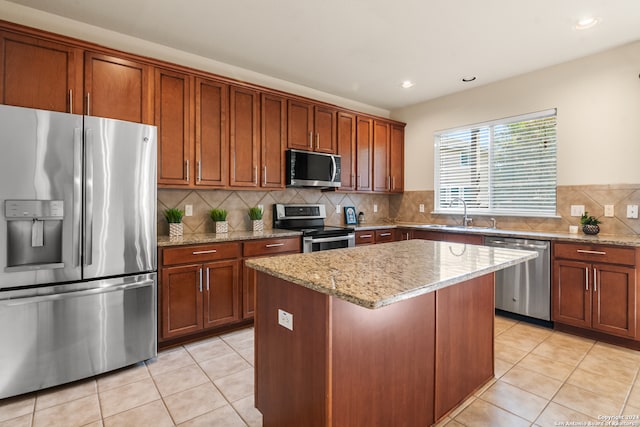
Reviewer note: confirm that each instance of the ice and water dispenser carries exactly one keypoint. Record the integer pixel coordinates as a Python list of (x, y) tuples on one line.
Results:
[(34, 234)]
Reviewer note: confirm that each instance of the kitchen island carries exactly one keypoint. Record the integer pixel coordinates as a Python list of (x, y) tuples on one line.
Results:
[(392, 334)]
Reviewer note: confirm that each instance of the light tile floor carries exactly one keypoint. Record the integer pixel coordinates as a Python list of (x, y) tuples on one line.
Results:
[(543, 378)]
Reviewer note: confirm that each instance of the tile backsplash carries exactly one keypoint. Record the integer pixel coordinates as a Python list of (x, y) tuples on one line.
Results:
[(399, 207)]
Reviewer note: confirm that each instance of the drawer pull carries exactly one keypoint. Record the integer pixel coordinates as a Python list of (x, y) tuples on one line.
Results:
[(584, 251), (385, 234), (212, 251), (365, 236), (274, 245)]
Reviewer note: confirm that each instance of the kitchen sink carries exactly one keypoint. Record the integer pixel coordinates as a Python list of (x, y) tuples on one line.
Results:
[(453, 227)]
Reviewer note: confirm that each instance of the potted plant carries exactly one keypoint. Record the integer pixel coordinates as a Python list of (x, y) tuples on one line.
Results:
[(219, 216), (589, 224), (255, 215), (174, 218)]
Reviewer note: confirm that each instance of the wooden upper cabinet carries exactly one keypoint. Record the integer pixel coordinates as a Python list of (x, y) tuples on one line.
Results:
[(273, 140), (346, 141), (325, 129), (37, 73), (173, 100), (381, 177), (364, 151), (244, 135), (396, 159), (311, 127), (117, 88), (211, 128), (300, 125)]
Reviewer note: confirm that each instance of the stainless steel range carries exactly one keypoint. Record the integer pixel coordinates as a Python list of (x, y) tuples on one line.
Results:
[(309, 219)]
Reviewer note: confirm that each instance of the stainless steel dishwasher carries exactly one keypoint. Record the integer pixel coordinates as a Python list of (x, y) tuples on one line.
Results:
[(525, 288)]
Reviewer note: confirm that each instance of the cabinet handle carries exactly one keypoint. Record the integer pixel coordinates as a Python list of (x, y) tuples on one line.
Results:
[(318, 141), (274, 245), (207, 280), (88, 104), (586, 278), (365, 236), (311, 140), (359, 181), (200, 280), (353, 180), (188, 170), (595, 280), (71, 101), (393, 183), (199, 170), (584, 251), (385, 234), (211, 251), (264, 174)]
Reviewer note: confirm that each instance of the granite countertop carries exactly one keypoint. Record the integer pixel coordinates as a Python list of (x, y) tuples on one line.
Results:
[(601, 239), (234, 236), (374, 276)]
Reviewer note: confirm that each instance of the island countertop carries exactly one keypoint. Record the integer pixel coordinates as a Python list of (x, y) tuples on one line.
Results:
[(374, 276)]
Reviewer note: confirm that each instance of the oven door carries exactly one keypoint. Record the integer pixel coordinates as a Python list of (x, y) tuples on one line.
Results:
[(315, 244)]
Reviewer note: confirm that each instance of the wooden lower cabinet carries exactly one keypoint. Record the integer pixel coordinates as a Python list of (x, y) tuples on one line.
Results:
[(595, 295), (368, 237), (221, 293), (473, 239)]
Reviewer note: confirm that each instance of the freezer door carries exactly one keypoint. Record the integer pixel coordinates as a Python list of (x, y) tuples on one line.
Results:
[(120, 198), (58, 334), (40, 172)]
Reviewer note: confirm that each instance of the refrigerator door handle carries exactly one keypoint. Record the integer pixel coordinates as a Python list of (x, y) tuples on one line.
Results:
[(88, 197), (76, 218)]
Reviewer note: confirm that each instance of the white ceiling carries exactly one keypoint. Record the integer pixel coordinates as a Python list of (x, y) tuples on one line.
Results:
[(364, 49)]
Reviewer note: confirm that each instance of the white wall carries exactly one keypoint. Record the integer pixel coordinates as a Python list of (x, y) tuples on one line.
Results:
[(48, 22), (598, 102)]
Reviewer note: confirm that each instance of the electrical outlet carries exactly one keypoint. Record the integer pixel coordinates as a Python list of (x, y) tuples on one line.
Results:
[(285, 319), (608, 210), (421, 207), (337, 208), (632, 211), (375, 208), (577, 210), (188, 210)]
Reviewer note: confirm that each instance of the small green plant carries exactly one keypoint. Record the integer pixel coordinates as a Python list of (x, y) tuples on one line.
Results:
[(587, 219), (173, 215), (218, 215), (255, 213)]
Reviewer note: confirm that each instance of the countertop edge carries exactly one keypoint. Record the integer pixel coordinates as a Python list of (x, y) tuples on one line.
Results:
[(234, 236)]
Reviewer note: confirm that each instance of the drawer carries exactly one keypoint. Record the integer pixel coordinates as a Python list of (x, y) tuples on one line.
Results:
[(387, 235), (595, 253), (271, 246), (200, 253), (365, 237)]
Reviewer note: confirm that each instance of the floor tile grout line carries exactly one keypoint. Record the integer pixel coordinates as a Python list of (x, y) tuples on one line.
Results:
[(626, 398)]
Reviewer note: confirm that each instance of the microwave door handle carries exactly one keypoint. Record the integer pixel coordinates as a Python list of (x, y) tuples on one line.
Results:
[(334, 169)]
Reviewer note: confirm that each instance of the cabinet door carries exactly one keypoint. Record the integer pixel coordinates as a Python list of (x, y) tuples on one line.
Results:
[(572, 293), (325, 130), (427, 235), (273, 141), (381, 176), (40, 74), (181, 301), (472, 239), (614, 298), (244, 121), (248, 291), (396, 159), (364, 151), (347, 150), (212, 152), (173, 118), (117, 88), (300, 125), (221, 294)]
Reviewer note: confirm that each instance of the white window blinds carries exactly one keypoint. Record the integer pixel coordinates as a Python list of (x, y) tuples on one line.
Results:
[(503, 167)]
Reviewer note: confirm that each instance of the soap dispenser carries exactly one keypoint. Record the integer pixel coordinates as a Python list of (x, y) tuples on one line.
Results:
[(361, 219)]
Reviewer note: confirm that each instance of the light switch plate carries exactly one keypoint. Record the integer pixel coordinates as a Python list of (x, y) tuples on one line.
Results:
[(608, 210), (188, 210), (375, 208), (337, 208), (421, 207), (632, 211), (285, 319), (577, 210)]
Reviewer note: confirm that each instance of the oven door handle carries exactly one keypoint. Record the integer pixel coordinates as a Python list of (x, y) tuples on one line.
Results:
[(330, 239)]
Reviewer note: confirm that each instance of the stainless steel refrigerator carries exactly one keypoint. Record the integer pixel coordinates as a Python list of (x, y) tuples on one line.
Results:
[(77, 247)]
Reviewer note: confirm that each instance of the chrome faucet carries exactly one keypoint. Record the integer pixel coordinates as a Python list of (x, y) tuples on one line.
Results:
[(466, 220)]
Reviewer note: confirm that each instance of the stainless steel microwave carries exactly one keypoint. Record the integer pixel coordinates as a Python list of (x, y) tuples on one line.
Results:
[(308, 169)]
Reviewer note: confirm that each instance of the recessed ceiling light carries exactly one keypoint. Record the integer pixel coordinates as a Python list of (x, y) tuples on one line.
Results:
[(407, 84), (468, 79), (585, 23)]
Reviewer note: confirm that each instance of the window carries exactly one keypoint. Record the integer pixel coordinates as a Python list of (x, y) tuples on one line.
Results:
[(503, 167)]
